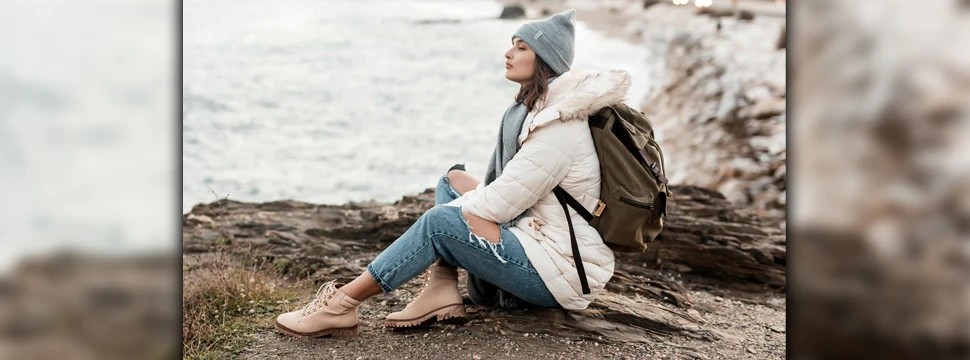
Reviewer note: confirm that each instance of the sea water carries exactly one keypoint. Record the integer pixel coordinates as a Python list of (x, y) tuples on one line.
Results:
[(346, 100)]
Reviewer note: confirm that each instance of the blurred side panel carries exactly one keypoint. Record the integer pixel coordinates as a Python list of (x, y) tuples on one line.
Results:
[(881, 209), (89, 174)]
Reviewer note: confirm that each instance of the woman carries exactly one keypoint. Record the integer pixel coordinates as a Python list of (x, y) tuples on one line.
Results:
[(509, 232)]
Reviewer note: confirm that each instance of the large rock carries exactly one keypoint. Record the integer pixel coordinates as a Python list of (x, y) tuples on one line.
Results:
[(720, 113), (746, 15), (715, 12), (512, 12)]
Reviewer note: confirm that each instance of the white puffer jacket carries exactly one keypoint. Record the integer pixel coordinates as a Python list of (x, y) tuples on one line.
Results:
[(556, 148)]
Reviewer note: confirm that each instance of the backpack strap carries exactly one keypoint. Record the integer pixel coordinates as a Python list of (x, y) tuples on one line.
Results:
[(654, 168), (569, 199), (563, 199)]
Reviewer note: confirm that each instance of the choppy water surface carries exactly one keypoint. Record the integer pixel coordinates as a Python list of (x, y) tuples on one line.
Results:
[(337, 101)]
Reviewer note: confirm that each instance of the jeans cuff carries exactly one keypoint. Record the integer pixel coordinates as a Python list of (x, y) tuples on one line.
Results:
[(454, 193), (377, 278)]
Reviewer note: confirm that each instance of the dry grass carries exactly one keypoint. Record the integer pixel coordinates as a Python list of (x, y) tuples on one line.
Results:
[(230, 296), (224, 305)]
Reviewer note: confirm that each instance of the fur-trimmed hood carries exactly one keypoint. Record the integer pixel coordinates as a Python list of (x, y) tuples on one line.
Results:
[(576, 95)]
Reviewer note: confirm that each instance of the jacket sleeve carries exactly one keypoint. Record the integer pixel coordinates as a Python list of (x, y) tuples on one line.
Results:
[(539, 165)]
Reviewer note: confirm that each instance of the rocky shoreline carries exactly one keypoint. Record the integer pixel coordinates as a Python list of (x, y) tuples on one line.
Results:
[(707, 241), (714, 259)]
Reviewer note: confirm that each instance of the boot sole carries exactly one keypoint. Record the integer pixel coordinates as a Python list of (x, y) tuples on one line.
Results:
[(447, 313), (336, 332)]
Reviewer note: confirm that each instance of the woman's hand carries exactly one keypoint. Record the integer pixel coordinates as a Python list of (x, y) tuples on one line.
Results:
[(484, 228), (462, 182)]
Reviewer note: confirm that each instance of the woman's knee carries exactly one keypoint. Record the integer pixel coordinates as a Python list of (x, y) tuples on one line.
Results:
[(461, 181), (451, 174)]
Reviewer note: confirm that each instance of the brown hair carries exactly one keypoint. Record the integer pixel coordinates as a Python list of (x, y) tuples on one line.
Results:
[(530, 94)]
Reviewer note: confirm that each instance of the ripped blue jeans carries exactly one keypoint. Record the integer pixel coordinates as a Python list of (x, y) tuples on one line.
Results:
[(443, 232)]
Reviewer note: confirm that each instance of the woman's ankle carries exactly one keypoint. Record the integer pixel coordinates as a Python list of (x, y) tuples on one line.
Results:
[(362, 288)]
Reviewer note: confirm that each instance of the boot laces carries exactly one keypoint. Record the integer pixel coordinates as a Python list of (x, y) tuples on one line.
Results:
[(321, 299), (427, 280)]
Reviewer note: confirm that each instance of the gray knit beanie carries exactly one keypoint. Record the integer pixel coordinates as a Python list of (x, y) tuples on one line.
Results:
[(553, 39)]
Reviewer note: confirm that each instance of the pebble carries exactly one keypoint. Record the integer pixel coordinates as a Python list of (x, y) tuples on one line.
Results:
[(694, 314)]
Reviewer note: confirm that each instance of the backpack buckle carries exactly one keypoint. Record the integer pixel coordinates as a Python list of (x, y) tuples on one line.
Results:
[(600, 205)]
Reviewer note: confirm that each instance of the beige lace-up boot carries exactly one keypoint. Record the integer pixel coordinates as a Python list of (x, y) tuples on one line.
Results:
[(438, 300), (331, 312)]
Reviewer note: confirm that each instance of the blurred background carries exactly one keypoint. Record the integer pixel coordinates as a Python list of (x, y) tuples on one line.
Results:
[(879, 221), (337, 101), (89, 177), (88, 127)]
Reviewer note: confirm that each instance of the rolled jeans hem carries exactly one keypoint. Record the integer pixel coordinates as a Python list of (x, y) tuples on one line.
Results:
[(380, 281)]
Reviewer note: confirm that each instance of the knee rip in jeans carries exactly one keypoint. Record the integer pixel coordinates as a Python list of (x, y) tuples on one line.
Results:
[(451, 189), (481, 239)]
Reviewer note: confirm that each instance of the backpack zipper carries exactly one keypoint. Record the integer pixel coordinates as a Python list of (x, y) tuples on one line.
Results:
[(636, 203)]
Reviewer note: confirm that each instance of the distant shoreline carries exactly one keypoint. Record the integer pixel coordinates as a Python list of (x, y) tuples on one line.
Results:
[(596, 14)]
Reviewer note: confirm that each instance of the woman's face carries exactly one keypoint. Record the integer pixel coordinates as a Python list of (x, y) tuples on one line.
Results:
[(520, 62)]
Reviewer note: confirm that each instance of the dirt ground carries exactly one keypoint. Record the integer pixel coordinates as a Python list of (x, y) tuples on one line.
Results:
[(753, 331)]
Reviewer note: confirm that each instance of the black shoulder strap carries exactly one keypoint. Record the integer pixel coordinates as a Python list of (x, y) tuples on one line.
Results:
[(563, 199), (569, 199)]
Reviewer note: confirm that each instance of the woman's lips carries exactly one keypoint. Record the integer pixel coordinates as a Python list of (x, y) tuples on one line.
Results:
[(508, 66)]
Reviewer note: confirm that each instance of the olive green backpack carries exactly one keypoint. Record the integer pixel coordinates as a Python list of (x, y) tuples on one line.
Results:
[(633, 189)]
